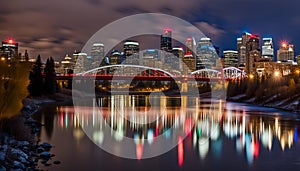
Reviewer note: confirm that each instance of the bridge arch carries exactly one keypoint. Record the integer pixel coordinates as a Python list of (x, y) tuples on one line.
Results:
[(233, 72), (123, 66), (206, 73)]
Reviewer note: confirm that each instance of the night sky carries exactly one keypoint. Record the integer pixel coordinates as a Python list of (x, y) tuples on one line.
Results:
[(54, 28)]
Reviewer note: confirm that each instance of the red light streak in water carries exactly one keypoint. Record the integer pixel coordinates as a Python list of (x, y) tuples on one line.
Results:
[(139, 150), (61, 119), (180, 151)]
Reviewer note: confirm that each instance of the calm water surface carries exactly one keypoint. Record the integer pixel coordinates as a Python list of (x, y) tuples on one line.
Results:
[(211, 135)]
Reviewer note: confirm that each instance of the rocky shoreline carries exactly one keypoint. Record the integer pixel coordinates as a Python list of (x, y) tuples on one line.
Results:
[(27, 152)]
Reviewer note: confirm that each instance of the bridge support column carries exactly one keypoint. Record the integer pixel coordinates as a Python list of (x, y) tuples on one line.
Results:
[(184, 86)]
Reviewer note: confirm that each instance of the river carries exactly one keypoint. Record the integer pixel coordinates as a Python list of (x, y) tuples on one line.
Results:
[(170, 133)]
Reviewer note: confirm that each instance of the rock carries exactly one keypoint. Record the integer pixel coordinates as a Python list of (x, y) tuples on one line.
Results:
[(40, 149), (2, 168), (18, 165), (2, 155), (56, 162), (23, 143), (16, 154), (46, 145), (47, 164), (45, 155)]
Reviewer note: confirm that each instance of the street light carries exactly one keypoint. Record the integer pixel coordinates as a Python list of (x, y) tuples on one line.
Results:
[(276, 74)]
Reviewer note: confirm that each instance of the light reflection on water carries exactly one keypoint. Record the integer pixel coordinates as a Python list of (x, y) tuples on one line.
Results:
[(204, 122)]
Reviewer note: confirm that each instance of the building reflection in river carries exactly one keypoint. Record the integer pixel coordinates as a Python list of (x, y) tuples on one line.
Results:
[(143, 119)]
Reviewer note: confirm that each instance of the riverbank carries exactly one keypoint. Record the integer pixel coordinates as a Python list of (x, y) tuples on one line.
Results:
[(290, 104), (19, 147)]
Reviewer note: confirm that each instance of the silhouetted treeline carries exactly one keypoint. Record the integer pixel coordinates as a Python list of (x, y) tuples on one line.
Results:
[(42, 82)]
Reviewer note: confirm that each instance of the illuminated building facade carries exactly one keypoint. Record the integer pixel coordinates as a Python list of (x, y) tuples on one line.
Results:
[(97, 54), (267, 49), (115, 57), (166, 40), (242, 49), (285, 53), (206, 54), (131, 52), (253, 53), (230, 58), (9, 50)]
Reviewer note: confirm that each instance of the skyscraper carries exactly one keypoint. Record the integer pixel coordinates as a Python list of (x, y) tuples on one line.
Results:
[(115, 57), (176, 60), (166, 40), (206, 54), (230, 58), (189, 46), (242, 48), (252, 53), (131, 52), (286, 52), (268, 49), (97, 55), (9, 49)]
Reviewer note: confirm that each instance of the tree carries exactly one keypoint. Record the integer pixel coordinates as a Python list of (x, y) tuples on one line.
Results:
[(13, 87), (36, 79), (50, 77)]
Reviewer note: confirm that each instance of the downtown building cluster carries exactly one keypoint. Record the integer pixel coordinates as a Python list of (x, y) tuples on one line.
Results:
[(251, 56)]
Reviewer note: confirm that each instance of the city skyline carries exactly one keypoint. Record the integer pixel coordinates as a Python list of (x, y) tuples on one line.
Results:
[(39, 26)]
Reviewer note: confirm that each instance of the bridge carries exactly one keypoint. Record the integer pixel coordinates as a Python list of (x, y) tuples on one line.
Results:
[(137, 72)]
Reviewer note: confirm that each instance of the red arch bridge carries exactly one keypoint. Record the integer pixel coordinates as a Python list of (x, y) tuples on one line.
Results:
[(137, 72)]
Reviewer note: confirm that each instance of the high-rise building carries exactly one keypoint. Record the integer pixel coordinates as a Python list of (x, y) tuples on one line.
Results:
[(67, 64), (166, 40), (115, 57), (151, 58), (175, 61), (286, 52), (230, 58), (189, 46), (298, 59), (206, 54), (268, 49), (252, 53), (97, 55), (189, 61), (9, 50), (81, 62), (242, 49), (131, 52), (131, 47)]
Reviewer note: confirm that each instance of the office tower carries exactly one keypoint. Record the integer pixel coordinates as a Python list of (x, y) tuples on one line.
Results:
[(151, 58), (298, 59), (97, 55), (251, 54), (166, 40), (206, 54), (230, 58), (189, 61), (67, 64), (189, 46), (268, 49), (131, 52), (9, 50), (81, 62), (175, 61), (242, 49), (115, 57), (286, 52)]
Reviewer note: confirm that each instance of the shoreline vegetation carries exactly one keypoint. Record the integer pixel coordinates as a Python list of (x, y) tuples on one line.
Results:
[(20, 147)]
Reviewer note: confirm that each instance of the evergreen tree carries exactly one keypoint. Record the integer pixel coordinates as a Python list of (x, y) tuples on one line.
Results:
[(36, 79), (50, 77)]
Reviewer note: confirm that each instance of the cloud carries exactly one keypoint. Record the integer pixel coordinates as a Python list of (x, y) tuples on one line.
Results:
[(210, 30)]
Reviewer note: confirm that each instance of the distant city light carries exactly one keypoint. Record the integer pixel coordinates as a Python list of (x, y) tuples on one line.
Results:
[(276, 73)]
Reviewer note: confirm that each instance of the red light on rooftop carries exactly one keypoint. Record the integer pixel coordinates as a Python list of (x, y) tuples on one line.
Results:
[(189, 39), (10, 41), (167, 30)]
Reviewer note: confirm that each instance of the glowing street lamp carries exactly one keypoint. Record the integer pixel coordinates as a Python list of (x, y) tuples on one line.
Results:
[(276, 74), (251, 76)]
